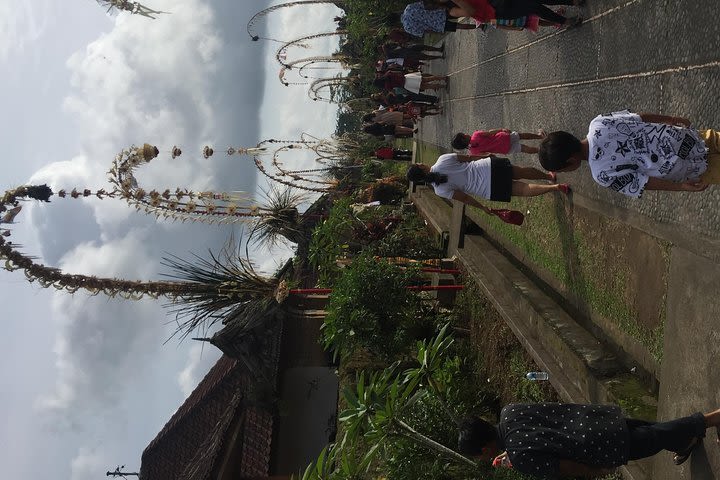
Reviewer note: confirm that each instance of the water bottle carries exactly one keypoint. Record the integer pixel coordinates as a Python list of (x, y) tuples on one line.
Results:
[(535, 376)]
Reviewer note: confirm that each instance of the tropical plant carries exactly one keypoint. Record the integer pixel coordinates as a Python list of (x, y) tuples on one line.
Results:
[(376, 409), (283, 223), (372, 308)]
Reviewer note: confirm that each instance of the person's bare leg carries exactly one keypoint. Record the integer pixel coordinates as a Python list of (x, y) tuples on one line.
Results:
[(400, 130), (530, 173), (522, 189), (712, 419), (430, 85), (530, 136), (526, 149)]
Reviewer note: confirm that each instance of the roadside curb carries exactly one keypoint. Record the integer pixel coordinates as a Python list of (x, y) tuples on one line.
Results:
[(581, 369)]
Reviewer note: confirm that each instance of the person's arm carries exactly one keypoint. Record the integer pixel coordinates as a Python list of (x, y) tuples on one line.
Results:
[(466, 6), (469, 200), (457, 12), (660, 184), (472, 158), (490, 133), (657, 118), (569, 468)]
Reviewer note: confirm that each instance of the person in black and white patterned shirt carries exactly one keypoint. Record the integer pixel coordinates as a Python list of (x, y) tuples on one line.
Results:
[(630, 153), (554, 440)]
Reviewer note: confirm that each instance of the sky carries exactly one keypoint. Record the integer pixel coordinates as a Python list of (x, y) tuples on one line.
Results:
[(87, 382)]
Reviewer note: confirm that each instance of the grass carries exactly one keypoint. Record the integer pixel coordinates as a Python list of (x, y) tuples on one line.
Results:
[(501, 360), (588, 254)]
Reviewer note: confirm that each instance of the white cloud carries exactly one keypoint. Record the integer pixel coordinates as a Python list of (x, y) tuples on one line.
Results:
[(21, 24), (200, 358), (88, 463), (96, 334), (188, 78), (143, 81)]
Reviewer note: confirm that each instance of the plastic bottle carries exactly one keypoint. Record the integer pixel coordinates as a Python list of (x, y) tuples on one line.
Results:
[(537, 376)]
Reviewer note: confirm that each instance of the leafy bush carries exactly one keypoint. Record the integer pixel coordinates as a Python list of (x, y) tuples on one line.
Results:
[(370, 307), (410, 239), (375, 231)]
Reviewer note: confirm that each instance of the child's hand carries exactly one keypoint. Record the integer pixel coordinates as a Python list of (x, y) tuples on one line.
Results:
[(681, 121)]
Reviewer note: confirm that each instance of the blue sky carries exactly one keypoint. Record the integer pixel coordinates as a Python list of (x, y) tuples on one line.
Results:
[(87, 382)]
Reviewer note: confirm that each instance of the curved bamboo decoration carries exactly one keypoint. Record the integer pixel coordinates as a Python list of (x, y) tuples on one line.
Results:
[(281, 54), (181, 203), (302, 74), (317, 85), (206, 292), (251, 23), (320, 58), (49, 277), (136, 8)]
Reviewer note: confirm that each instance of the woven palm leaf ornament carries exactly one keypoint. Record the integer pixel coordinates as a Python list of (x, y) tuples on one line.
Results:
[(135, 8)]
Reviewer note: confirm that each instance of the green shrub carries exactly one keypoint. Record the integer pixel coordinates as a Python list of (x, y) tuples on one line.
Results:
[(370, 307), (346, 234)]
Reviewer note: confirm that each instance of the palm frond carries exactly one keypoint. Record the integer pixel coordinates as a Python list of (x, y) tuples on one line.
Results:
[(224, 286), (282, 221)]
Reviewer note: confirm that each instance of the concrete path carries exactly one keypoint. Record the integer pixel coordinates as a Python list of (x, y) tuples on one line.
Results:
[(661, 56)]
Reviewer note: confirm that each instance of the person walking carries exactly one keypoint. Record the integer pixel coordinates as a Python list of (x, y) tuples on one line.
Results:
[(390, 153), (630, 153), (484, 11), (460, 177), (552, 440), (418, 20), (501, 140)]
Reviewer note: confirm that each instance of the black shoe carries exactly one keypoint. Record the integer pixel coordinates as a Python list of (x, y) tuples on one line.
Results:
[(681, 457)]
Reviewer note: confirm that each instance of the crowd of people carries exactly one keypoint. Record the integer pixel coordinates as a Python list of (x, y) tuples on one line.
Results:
[(627, 153)]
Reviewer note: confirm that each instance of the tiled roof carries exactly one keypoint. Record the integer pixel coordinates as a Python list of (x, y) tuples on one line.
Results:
[(190, 445)]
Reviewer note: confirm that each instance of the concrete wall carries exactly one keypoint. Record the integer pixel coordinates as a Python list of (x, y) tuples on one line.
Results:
[(308, 413)]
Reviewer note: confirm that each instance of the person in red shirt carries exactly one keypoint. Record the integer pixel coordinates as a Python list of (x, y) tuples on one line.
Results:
[(501, 140), (390, 153), (484, 11)]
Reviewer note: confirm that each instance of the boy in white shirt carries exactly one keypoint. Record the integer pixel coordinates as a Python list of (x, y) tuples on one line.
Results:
[(631, 153)]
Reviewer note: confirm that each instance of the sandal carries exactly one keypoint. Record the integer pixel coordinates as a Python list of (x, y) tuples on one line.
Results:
[(553, 177), (564, 188), (681, 457)]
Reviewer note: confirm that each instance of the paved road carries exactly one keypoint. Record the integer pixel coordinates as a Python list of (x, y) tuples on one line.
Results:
[(661, 56), (646, 55)]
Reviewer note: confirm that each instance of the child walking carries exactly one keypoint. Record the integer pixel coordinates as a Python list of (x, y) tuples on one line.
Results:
[(629, 153), (459, 177), (501, 140)]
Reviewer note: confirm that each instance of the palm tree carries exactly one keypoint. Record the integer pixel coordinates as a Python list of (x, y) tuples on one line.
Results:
[(284, 223)]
